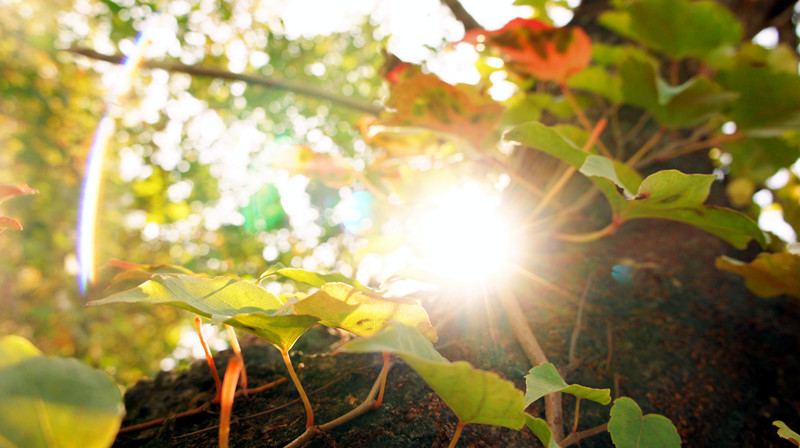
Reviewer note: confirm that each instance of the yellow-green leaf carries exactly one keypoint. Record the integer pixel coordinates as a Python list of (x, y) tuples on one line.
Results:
[(786, 433), (234, 301), (544, 379), (541, 430), (55, 402), (768, 275), (364, 314), (630, 429), (474, 395), (396, 338)]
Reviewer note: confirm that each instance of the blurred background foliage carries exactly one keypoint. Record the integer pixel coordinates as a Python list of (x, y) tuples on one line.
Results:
[(190, 177), (225, 176)]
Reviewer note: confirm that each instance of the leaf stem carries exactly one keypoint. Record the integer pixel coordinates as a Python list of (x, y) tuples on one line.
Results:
[(645, 148), (578, 436), (365, 406), (296, 381), (235, 367), (565, 177), (238, 351), (582, 117), (198, 326), (577, 415), (457, 434), (382, 376), (588, 237)]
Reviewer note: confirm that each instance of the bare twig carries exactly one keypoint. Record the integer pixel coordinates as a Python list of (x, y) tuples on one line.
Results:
[(610, 339), (578, 436), (535, 354), (573, 342), (281, 84), (461, 14)]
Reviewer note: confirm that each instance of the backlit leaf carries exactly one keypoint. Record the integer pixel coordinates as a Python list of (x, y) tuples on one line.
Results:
[(424, 100), (679, 28), (396, 338), (786, 433), (364, 314), (768, 275), (666, 194), (474, 395), (533, 47), (630, 429), (55, 402), (9, 191), (233, 301), (677, 196), (314, 279), (14, 349), (541, 430), (544, 379)]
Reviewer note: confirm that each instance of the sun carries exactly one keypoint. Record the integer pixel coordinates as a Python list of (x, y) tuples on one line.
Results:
[(461, 235)]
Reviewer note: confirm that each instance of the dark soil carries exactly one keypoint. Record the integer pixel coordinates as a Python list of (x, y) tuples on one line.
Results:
[(687, 341)]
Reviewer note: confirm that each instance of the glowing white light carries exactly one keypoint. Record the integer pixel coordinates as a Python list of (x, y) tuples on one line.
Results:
[(462, 237)]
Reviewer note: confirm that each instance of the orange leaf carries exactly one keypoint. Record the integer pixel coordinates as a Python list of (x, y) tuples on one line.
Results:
[(532, 47), (424, 100)]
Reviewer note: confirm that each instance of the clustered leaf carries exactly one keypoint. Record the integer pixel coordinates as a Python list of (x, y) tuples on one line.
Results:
[(666, 194)]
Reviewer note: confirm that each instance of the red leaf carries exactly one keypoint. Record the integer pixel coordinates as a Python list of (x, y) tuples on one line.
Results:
[(532, 47)]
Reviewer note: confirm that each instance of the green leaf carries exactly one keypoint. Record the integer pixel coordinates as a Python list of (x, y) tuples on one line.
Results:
[(679, 28), (217, 298), (474, 395), (14, 349), (768, 103), (760, 158), (50, 402), (364, 314), (666, 194), (314, 279), (546, 139), (630, 429), (233, 301), (598, 80), (544, 379), (688, 104), (768, 275), (541, 430), (679, 197), (786, 433), (396, 338)]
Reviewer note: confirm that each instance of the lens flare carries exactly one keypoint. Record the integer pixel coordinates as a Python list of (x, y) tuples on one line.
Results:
[(90, 191), (462, 236)]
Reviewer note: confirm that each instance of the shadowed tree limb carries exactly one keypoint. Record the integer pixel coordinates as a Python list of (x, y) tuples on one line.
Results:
[(198, 70)]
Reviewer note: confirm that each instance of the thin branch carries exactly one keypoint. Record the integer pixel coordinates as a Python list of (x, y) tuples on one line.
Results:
[(197, 70), (573, 342), (535, 354), (462, 15), (610, 340), (578, 436)]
